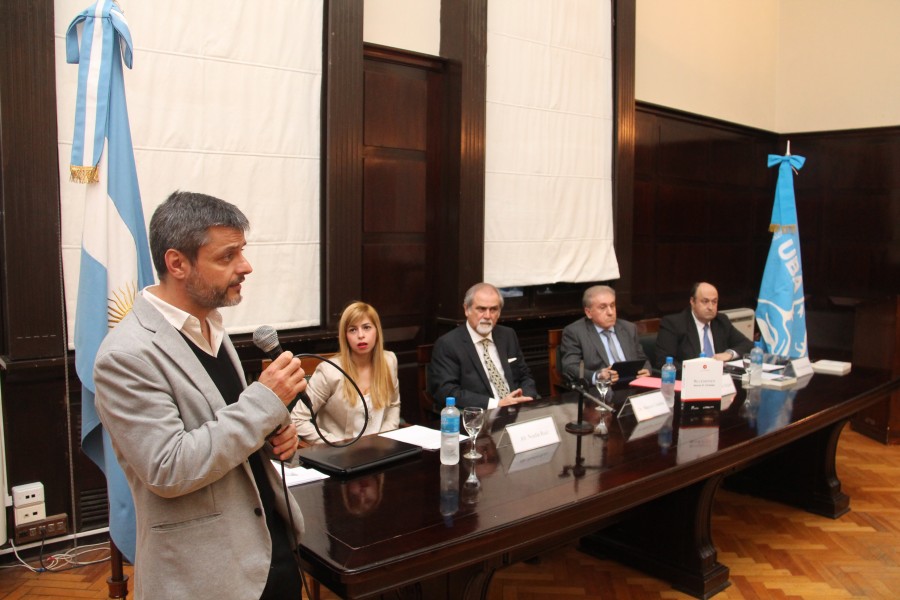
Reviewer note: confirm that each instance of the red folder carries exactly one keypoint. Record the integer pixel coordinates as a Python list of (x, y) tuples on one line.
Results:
[(653, 383)]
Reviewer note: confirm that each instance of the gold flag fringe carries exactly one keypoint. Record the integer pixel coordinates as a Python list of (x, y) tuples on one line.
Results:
[(78, 174), (782, 228)]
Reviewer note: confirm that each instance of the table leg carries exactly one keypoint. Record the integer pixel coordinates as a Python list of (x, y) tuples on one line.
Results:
[(669, 538), (802, 474)]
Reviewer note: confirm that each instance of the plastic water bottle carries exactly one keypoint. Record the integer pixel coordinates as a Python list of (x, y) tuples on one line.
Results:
[(668, 382), (450, 433), (756, 364)]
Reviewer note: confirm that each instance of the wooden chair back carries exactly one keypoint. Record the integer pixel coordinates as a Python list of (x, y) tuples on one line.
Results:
[(427, 410), (647, 330), (554, 339)]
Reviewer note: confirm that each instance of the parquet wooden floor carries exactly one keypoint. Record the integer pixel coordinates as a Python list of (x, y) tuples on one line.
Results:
[(774, 552)]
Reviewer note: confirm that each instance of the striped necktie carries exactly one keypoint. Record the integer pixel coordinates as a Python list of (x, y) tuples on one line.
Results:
[(611, 341)]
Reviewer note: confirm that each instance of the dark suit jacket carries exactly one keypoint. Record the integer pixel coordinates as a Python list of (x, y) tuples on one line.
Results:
[(678, 338), (581, 342), (456, 370)]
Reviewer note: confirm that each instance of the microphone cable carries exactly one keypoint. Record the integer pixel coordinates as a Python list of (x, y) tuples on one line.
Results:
[(358, 393), (284, 486)]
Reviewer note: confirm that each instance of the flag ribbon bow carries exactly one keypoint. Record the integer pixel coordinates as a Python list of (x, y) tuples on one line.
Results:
[(784, 211), (95, 77)]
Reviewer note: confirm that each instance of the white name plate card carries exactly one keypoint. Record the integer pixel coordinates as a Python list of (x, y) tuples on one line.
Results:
[(529, 435), (701, 379), (645, 406), (802, 366)]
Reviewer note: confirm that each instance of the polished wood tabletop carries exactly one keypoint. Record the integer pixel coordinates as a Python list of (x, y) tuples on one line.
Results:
[(400, 526)]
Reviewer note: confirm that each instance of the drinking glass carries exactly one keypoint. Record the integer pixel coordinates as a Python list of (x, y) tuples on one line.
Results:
[(603, 382), (473, 420)]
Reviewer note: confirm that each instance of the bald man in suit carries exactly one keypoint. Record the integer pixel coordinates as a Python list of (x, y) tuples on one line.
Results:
[(681, 335)]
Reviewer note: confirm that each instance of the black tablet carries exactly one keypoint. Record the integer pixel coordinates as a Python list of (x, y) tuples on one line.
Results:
[(628, 369)]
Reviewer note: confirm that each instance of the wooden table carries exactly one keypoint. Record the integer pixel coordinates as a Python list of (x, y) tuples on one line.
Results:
[(640, 496)]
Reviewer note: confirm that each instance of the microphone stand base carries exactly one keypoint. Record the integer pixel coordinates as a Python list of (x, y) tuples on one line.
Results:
[(579, 427)]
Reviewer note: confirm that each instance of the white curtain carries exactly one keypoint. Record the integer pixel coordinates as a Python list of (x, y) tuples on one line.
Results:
[(223, 99), (549, 141)]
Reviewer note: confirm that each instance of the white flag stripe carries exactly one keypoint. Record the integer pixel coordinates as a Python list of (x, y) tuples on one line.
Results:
[(105, 236), (90, 113)]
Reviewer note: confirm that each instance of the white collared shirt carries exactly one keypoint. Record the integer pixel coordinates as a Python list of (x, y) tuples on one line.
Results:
[(494, 401), (712, 342), (188, 324)]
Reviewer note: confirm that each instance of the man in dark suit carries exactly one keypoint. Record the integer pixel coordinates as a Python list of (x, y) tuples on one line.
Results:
[(699, 329), (599, 339), (480, 363)]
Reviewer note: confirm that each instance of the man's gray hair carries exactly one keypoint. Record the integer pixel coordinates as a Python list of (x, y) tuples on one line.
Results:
[(182, 223), (469, 298), (588, 298)]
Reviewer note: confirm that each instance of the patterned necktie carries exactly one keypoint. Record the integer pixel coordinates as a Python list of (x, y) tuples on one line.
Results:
[(707, 345), (610, 340), (493, 373)]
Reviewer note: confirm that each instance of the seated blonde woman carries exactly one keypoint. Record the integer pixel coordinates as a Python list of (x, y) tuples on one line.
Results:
[(339, 412)]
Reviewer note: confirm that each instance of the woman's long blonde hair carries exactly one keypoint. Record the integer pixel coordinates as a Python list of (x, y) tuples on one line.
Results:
[(381, 388)]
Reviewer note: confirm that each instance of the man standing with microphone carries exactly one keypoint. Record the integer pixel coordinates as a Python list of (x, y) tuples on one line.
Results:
[(193, 440)]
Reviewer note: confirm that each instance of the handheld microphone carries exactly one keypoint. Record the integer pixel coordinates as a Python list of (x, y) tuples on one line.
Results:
[(266, 339)]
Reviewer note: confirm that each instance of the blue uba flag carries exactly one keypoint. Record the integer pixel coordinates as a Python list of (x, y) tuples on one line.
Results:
[(115, 256), (780, 310)]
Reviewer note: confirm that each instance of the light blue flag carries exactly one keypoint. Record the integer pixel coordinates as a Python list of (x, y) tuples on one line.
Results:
[(115, 256), (780, 310)]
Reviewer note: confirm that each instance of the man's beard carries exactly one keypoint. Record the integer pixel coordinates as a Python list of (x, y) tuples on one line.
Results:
[(208, 296), (484, 327)]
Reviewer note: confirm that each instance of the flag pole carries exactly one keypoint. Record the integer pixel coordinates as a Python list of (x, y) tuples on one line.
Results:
[(117, 582)]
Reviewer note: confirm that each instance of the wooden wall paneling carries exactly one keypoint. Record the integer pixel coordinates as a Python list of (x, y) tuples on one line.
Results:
[(876, 343), (624, 17), (395, 273), (460, 250), (851, 193), (401, 183), (395, 193), (30, 272), (702, 184), (342, 175), (37, 434)]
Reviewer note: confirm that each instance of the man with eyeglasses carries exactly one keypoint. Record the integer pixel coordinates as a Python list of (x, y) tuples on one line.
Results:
[(699, 329), (480, 363)]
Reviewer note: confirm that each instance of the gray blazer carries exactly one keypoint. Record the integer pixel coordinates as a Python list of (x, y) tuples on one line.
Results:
[(200, 529), (581, 342)]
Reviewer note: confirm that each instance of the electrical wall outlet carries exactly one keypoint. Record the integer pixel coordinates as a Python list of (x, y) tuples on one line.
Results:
[(28, 493), (30, 513), (53, 526)]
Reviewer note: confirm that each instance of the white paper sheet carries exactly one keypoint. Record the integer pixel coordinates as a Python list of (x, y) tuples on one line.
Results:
[(299, 475), (424, 437)]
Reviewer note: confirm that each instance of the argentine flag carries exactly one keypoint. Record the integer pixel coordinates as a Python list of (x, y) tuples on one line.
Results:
[(780, 309), (115, 256)]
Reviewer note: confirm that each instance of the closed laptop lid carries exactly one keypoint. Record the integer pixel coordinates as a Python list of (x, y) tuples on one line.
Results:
[(368, 452)]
